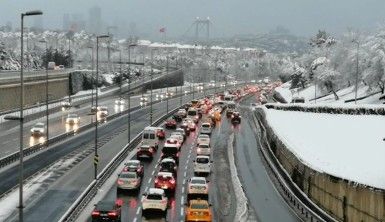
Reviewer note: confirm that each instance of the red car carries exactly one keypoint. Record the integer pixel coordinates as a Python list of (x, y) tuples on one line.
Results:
[(134, 165), (165, 181), (145, 151), (107, 211), (161, 134), (171, 124)]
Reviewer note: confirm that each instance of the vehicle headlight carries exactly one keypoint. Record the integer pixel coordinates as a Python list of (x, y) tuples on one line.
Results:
[(31, 130)]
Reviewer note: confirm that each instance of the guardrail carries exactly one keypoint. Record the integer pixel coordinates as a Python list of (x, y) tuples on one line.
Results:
[(290, 192), (85, 198)]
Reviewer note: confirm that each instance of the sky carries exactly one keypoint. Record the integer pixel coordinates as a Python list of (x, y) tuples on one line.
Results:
[(228, 17)]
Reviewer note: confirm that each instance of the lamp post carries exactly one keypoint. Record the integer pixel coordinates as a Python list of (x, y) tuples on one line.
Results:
[(96, 157), (92, 75), (46, 90), (151, 76), (167, 85), (129, 91), (21, 118), (357, 61)]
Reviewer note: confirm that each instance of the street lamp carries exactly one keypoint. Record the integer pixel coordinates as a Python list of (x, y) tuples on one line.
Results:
[(129, 91), (358, 48), (21, 118), (96, 157), (46, 89), (151, 76), (92, 74), (167, 85)]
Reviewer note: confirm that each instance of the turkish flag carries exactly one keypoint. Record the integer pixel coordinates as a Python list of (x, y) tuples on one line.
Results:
[(162, 29)]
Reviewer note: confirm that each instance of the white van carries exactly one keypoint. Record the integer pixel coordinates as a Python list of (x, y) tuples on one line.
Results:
[(149, 137), (202, 165), (206, 128)]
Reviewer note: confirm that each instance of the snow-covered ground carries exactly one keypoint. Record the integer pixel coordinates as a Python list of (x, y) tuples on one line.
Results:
[(346, 146), (344, 94)]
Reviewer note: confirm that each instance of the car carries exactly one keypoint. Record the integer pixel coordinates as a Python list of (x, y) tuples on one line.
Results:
[(145, 151), (165, 181), (149, 137), (203, 138), (186, 128), (168, 165), (192, 113), (119, 102), (154, 200), (134, 165), (197, 187), (170, 151), (182, 113), (38, 130), (129, 180), (204, 149), (102, 111), (177, 118), (171, 124), (181, 131), (65, 105), (190, 123), (106, 210), (236, 118), (206, 128), (198, 210), (202, 165), (144, 98), (173, 141), (178, 135), (160, 133), (229, 112), (72, 119)]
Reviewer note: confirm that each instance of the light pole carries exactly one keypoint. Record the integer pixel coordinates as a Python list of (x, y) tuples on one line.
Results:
[(96, 157), (181, 86), (151, 76), (167, 85), (92, 75), (129, 91), (46, 90), (21, 118), (357, 61)]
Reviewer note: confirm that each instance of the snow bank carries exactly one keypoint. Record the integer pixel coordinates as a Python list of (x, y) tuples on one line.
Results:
[(345, 146)]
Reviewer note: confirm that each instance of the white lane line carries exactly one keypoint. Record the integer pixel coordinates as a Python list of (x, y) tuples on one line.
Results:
[(182, 201), (182, 190), (149, 180), (145, 190), (135, 219), (188, 157), (185, 174), (184, 181), (181, 212), (186, 166), (138, 210), (153, 172)]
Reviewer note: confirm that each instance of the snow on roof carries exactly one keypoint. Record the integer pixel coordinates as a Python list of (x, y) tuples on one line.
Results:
[(346, 146)]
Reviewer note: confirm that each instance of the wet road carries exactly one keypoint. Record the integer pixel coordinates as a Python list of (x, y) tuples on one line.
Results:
[(263, 198)]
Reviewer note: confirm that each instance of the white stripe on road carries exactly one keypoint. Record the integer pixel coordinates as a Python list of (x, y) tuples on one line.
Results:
[(182, 190), (149, 180), (185, 174), (182, 201), (138, 210), (184, 181), (153, 172)]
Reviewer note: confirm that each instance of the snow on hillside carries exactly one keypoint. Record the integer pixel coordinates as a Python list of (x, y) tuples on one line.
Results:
[(345, 146)]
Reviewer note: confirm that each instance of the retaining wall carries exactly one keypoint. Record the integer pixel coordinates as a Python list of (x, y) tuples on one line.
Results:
[(344, 200)]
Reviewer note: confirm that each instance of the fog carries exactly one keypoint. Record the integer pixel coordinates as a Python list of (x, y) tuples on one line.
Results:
[(228, 17)]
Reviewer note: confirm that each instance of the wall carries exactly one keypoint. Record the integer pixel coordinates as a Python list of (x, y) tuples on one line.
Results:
[(342, 199)]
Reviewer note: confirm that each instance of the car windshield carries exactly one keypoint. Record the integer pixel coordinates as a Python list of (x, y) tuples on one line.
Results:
[(206, 125), (204, 146), (200, 206), (39, 125), (203, 136), (197, 181), (192, 112), (154, 197), (72, 116), (105, 206), (128, 175), (202, 160), (132, 164), (164, 178), (169, 150), (168, 164)]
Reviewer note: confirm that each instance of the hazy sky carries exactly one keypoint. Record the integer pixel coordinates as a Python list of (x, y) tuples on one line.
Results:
[(229, 17)]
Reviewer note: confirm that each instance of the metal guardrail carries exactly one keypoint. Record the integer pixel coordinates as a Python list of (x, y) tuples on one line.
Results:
[(290, 192), (85, 198)]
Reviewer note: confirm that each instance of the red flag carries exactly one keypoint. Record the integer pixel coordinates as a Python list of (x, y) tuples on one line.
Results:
[(162, 29)]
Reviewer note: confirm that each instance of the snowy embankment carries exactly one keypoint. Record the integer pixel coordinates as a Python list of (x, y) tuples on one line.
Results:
[(345, 95), (345, 146)]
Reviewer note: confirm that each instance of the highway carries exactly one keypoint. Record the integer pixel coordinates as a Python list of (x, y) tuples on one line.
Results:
[(264, 199), (4, 75), (72, 183)]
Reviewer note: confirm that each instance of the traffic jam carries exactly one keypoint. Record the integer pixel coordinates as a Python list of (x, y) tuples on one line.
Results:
[(168, 177)]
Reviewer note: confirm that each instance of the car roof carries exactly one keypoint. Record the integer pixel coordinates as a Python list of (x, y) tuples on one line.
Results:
[(133, 161), (199, 201), (168, 160), (204, 135), (150, 128), (202, 157), (198, 178), (155, 191), (39, 123), (165, 174)]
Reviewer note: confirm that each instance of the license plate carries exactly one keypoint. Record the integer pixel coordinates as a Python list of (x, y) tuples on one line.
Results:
[(103, 215)]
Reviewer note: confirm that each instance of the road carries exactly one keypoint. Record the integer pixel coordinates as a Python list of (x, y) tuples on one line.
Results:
[(50, 203), (5, 75), (264, 199)]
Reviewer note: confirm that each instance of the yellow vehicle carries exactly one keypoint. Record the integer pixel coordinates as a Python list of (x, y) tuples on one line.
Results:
[(198, 210), (217, 116)]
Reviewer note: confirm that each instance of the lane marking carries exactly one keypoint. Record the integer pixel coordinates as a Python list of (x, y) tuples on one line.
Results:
[(182, 190), (149, 180), (145, 190), (181, 212), (135, 219), (138, 210), (186, 166), (185, 173), (184, 181), (153, 172), (182, 200)]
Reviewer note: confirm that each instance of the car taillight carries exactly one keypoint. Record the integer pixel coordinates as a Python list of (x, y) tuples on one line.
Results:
[(172, 181), (95, 213), (163, 201), (151, 150), (199, 150), (112, 214), (138, 170), (156, 181), (120, 182), (206, 213)]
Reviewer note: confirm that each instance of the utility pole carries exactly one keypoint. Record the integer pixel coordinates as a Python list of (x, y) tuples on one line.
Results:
[(167, 85)]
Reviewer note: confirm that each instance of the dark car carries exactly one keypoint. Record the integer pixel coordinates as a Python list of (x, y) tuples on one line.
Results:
[(170, 151), (134, 166), (186, 128), (168, 165), (229, 113), (171, 124), (107, 211), (177, 117), (236, 118)]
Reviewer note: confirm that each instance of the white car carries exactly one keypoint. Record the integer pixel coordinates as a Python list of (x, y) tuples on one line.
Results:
[(129, 181), (178, 135), (102, 111), (206, 128), (203, 138), (173, 141), (73, 118), (202, 165), (197, 188), (65, 105), (182, 113), (154, 200), (204, 149), (119, 102), (144, 98), (38, 129)]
